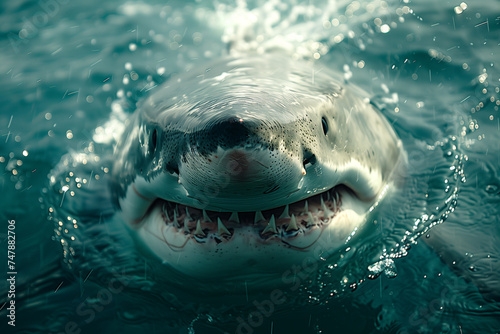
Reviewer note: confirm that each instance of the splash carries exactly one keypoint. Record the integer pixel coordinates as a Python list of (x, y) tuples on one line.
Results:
[(303, 30)]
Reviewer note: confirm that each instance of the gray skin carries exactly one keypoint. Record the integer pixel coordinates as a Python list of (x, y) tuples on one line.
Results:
[(233, 144)]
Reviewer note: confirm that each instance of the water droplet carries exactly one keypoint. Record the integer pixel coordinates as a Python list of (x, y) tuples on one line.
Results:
[(391, 272), (386, 266)]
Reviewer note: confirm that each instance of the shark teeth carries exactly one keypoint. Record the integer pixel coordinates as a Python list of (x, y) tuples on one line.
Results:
[(258, 217), (271, 227), (292, 226), (198, 231), (188, 216), (306, 207), (335, 201), (186, 227), (176, 223), (234, 217), (327, 213), (206, 217), (285, 213), (295, 218), (221, 229), (310, 220)]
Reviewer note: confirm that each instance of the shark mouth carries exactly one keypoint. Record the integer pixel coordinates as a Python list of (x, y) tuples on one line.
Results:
[(282, 223)]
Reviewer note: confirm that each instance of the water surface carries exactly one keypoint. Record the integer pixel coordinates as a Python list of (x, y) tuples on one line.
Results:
[(431, 67)]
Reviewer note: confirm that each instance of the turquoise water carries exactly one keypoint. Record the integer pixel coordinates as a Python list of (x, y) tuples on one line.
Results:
[(431, 67)]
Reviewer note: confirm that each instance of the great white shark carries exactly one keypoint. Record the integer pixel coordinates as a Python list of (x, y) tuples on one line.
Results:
[(240, 167)]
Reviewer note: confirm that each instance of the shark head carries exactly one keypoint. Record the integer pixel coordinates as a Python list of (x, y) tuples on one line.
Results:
[(250, 166)]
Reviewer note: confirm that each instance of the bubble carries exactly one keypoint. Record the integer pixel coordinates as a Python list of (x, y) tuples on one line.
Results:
[(160, 71), (132, 47), (385, 29)]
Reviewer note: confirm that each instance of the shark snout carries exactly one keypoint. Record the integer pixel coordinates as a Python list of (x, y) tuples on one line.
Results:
[(240, 174), (251, 172), (241, 160)]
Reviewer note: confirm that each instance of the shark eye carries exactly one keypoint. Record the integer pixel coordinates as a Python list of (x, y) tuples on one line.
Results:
[(324, 123)]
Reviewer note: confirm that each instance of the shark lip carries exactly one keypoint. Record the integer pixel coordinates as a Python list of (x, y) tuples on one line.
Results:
[(287, 221)]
